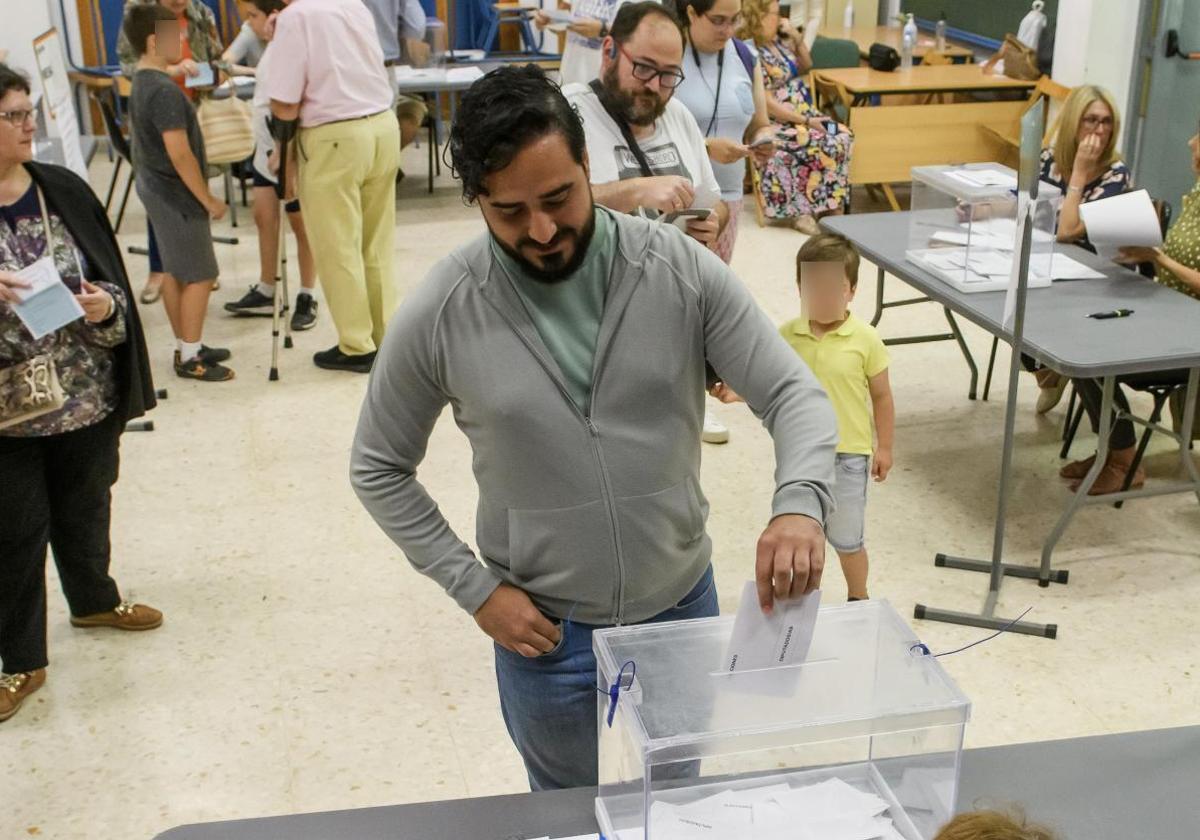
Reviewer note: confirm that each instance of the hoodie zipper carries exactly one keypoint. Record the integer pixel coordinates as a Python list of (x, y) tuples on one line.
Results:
[(597, 450)]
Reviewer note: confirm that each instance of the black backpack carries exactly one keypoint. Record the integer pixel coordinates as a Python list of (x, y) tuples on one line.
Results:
[(882, 57)]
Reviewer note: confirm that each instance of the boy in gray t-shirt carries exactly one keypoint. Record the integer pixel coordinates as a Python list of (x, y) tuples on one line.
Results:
[(168, 157)]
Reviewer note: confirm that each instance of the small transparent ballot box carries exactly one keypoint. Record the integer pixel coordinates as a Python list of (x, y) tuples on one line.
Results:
[(963, 226), (863, 740)]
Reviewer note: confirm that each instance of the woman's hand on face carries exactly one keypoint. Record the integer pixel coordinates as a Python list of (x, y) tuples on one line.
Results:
[(97, 304), (724, 150), (786, 30), (9, 283), (1088, 152)]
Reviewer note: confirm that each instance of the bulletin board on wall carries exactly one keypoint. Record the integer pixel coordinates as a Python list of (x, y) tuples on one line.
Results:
[(991, 19)]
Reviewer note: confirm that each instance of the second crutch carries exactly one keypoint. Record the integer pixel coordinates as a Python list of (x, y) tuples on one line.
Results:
[(280, 298)]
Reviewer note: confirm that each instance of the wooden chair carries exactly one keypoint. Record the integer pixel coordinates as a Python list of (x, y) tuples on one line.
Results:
[(1052, 94)]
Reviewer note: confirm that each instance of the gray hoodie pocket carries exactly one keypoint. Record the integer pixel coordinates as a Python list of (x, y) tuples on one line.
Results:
[(657, 531), (563, 553)]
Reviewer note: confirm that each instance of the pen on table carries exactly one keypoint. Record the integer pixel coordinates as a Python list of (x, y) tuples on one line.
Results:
[(1116, 313)]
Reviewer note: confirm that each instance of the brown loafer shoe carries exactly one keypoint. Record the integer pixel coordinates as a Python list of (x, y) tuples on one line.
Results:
[(15, 688), (125, 616), (1077, 470)]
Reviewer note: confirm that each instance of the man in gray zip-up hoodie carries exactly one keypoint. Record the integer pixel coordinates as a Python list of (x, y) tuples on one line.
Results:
[(570, 343)]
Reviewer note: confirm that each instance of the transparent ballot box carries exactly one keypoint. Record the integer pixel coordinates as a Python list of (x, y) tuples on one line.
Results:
[(963, 226), (863, 740)]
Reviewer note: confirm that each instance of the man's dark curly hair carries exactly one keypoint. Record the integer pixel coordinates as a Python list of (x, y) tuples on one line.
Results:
[(501, 114)]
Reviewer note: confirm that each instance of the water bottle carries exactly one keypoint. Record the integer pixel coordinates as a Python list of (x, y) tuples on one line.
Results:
[(940, 33), (908, 44), (848, 15)]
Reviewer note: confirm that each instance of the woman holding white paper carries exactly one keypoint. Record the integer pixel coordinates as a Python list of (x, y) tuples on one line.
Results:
[(1177, 265), (64, 401)]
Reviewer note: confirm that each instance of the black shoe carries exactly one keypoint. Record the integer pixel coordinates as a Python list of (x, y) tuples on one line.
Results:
[(305, 316), (213, 355), (253, 302), (199, 369), (335, 359)]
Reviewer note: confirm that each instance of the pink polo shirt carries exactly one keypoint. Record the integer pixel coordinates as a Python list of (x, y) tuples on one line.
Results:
[(328, 59)]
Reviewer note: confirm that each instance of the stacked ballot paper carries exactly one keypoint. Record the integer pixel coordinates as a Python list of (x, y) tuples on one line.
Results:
[(829, 810)]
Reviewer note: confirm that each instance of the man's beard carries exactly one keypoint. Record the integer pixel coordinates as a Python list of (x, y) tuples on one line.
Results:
[(554, 268), (640, 109)]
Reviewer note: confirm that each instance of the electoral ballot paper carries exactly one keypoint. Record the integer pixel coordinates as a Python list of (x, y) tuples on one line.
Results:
[(47, 303), (1123, 220), (771, 641)]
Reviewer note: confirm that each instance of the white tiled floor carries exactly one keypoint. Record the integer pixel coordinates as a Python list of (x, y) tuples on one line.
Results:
[(304, 666)]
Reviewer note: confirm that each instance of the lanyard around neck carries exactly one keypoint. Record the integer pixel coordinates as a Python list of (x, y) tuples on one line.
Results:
[(716, 96)]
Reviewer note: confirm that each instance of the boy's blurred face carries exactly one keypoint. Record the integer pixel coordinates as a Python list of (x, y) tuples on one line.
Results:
[(825, 292), (165, 44)]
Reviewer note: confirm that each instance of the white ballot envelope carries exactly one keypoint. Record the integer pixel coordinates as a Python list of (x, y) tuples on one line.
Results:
[(1122, 220), (47, 303), (771, 641)]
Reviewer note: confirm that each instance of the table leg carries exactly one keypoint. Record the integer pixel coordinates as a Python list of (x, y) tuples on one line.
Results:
[(1081, 495), (1185, 437), (966, 351), (891, 196), (879, 274)]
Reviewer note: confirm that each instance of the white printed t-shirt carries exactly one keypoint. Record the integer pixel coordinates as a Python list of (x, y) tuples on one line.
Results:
[(675, 148)]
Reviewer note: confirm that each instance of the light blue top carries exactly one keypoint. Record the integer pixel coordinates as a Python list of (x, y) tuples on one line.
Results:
[(734, 112)]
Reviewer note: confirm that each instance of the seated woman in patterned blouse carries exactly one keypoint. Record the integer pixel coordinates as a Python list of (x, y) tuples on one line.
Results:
[(57, 468), (1083, 162), (1177, 265)]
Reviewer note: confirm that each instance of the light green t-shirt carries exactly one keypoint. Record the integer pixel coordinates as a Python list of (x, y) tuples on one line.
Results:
[(567, 314)]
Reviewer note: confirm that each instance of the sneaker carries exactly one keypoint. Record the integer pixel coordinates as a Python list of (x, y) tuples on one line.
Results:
[(335, 359), (197, 368), (714, 430), (253, 303), (125, 616), (15, 688), (305, 315)]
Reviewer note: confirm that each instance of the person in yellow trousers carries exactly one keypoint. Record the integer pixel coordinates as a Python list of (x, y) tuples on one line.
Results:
[(330, 91)]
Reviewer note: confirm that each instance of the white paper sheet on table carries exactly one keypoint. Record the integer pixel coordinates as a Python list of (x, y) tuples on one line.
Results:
[(1122, 220), (47, 304), (770, 641), (559, 15)]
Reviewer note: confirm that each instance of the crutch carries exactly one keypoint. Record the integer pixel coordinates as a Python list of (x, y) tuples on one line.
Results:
[(279, 309)]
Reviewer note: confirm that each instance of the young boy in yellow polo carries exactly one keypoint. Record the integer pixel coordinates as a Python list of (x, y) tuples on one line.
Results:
[(851, 362)]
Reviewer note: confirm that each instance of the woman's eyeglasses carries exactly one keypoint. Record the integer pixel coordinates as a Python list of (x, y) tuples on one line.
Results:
[(19, 117), (723, 22), (1096, 122), (643, 72)]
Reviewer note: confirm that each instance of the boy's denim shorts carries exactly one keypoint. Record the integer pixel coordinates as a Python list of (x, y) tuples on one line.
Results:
[(845, 526)]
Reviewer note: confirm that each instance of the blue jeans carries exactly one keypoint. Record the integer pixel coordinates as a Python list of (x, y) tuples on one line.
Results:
[(549, 702)]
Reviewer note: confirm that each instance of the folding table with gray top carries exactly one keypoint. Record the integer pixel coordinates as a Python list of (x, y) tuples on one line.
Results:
[(1132, 786), (1163, 333)]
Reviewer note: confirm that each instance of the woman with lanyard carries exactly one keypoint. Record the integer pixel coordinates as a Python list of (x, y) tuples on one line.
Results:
[(201, 45), (723, 88), (64, 400)]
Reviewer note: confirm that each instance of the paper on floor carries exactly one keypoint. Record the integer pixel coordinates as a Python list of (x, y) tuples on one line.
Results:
[(770, 641)]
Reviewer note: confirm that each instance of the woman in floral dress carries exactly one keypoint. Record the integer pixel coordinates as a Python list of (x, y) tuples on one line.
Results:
[(809, 175)]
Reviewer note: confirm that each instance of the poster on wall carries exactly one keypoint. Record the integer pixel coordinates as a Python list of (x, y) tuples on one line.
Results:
[(59, 110)]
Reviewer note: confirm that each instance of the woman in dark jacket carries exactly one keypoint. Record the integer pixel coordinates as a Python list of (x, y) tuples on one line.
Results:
[(57, 468)]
